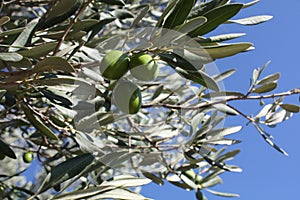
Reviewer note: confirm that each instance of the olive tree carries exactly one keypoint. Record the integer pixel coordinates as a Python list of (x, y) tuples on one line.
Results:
[(104, 96)]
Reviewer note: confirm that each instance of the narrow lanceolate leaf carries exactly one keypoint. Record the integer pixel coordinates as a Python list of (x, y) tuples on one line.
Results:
[(66, 170), (223, 95), (12, 57), (38, 124), (222, 194), (23, 37), (126, 181), (224, 75), (179, 14), (39, 51), (265, 88), (99, 26), (53, 63), (119, 193), (6, 150), (140, 16), (216, 17), (166, 12), (59, 12), (199, 77), (114, 2), (268, 79), (220, 38), (246, 5), (290, 107), (4, 20), (225, 109), (252, 20), (205, 7), (192, 24), (226, 50)]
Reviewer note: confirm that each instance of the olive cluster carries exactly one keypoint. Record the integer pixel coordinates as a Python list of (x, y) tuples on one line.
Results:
[(115, 64)]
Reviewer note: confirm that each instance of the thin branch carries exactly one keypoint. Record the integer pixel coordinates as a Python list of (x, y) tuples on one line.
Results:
[(211, 103), (70, 26)]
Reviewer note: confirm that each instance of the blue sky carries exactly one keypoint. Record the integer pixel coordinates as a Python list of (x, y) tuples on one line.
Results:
[(266, 174)]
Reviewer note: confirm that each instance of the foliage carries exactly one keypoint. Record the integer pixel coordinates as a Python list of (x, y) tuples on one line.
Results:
[(56, 104)]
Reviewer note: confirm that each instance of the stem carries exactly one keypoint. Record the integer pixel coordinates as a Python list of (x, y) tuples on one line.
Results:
[(70, 26), (208, 104)]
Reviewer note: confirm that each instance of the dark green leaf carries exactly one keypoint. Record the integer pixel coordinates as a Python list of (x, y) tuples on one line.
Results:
[(179, 14), (224, 75), (191, 25), (157, 92), (59, 12), (205, 7), (12, 32), (99, 26), (53, 63), (290, 107), (155, 179), (4, 20), (114, 2), (216, 17), (166, 12), (66, 170), (85, 25), (38, 123), (198, 77), (140, 16), (6, 150), (226, 50), (269, 79), (265, 88), (38, 51)]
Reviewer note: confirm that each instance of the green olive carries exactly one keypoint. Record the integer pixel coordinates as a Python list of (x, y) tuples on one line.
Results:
[(114, 65), (143, 67), (127, 97), (28, 157)]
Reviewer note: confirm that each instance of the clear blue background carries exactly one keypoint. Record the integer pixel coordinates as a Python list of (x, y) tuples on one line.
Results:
[(266, 174)]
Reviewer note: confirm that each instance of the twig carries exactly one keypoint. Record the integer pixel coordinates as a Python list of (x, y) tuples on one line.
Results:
[(210, 103), (70, 26)]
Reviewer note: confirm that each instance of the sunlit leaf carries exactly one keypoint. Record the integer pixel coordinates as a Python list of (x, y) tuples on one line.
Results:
[(216, 17), (38, 51), (23, 37), (225, 109), (269, 79), (252, 20), (246, 5), (13, 57), (222, 194)]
